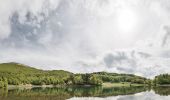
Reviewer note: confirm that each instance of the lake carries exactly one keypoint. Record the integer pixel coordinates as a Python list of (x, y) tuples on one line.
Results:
[(86, 93)]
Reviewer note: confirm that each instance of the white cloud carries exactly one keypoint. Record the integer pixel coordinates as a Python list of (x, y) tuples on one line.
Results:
[(83, 36), (22, 7)]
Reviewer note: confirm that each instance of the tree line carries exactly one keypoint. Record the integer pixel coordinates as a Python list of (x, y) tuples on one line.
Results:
[(67, 78), (18, 74), (162, 79)]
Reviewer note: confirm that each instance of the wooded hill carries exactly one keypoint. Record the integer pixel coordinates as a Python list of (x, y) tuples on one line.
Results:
[(16, 74)]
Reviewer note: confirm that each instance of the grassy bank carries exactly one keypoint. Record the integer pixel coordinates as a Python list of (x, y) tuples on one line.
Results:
[(122, 84), (106, 84)]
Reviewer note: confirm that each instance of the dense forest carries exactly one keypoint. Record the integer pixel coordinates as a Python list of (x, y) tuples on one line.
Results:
[(162, 79), (19, 74)]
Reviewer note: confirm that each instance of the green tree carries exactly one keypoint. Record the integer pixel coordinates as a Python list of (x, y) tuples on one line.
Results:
[(95, 80), (77, 79), (3, 82)]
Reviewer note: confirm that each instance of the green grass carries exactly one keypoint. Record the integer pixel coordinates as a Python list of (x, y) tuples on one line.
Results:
[(122, 84), (21, 68), (17, 68)]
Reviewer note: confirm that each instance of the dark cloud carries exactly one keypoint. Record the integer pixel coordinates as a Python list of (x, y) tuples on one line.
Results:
[(111, 59), (165, 54), (122, 61), (144, 55), (166, 36), (126, 69), (23, 34)]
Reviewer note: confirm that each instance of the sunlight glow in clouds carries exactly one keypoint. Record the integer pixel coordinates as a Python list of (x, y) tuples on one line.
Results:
[(126, 36), (127, 20)]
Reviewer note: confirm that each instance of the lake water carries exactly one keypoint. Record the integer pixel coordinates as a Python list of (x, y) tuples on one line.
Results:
[(86, 93)]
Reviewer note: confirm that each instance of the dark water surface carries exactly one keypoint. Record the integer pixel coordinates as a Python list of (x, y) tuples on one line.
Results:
[(86, 93)]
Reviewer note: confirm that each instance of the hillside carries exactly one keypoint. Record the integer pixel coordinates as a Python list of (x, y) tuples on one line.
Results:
[(21, 74), (15, 74), (18, 68), (21, 68)]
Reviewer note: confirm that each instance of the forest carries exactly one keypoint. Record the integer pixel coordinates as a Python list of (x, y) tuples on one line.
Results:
[(19, 74), (162, 79)]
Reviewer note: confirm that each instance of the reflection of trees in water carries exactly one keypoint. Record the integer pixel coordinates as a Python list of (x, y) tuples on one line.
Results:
[(76, 91), (162, 90), (68, 92)]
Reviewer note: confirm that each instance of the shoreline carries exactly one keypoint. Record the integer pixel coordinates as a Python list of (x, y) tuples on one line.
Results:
[(108, 84), (105, 85), (30, 86)]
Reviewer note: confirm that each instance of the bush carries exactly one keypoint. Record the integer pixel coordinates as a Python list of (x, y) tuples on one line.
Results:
[(3, 82)]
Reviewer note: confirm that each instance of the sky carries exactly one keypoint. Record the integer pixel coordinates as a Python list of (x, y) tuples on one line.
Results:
[(81, 36)]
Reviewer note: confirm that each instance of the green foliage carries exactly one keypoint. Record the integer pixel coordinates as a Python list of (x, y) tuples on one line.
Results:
[(77, 79), (95, 80), (117, 78), (138, 81), (17, 74), (20, 74), (162, 79), (3, 82)]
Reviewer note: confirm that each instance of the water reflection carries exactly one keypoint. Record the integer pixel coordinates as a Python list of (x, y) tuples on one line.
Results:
[(164, 90), (139, 96), (86, 93)]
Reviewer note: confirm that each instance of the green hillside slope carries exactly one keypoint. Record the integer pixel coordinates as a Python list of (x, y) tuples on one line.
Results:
[(21, 74), (17, 68), (16, 74)]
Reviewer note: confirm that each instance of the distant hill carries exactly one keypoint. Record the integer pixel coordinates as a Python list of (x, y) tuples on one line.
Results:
[(22, 74), (16, 74), (18, 68)]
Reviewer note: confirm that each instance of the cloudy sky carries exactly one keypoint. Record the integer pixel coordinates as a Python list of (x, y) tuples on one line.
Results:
[(126, 36)]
